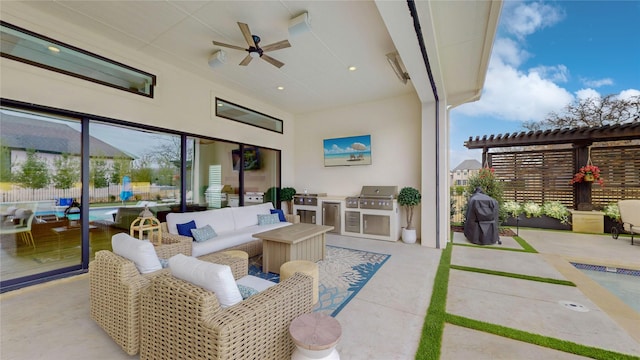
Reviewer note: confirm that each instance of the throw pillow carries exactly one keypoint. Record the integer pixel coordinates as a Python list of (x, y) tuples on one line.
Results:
[(256, 283), (203, 234), (246, 291), (280, 214), (212, 277), (142, 253), (268, 219), (185, 229)]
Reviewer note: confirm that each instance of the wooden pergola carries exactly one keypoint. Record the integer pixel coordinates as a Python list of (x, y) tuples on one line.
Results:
[(625, 164)]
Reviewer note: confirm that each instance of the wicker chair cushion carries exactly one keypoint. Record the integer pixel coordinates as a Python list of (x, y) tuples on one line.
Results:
[(142, 253), (212, 277)]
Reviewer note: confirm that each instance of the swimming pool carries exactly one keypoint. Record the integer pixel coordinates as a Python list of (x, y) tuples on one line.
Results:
[(99, 213), (624, 283)]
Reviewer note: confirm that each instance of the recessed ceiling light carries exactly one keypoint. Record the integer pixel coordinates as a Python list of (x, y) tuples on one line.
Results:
[(280, 88), (352, 68), (53, 49)]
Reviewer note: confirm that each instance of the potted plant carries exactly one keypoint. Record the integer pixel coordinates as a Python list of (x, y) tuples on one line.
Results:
[(286, 195), (588, 173), (408, 198)]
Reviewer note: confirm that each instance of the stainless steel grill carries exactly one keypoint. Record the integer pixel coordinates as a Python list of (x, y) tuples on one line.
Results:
[(374, 197)]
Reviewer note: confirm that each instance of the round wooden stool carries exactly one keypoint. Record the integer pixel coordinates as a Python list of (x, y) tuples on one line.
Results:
[(316, 336), (303, 266), (236, 253)]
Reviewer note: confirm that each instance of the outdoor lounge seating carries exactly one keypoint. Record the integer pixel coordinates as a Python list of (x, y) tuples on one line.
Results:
[(630, 216), (19, 222), (180, 320), (116, 284)]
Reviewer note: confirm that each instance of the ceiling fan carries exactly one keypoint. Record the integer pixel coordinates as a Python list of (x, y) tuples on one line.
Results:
[(254, 49)]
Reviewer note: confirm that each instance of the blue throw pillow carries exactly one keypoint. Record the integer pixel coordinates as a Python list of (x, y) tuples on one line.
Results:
[(203, 234), (246, 291), (280, 214), (185, 229)]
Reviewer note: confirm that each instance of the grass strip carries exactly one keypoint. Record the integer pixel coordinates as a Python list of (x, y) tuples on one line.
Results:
[(491, 247), (431, 339), (536, 339), (514, 275), (525, 245)]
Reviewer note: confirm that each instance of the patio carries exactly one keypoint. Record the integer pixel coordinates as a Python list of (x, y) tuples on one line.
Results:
[(385, 319)]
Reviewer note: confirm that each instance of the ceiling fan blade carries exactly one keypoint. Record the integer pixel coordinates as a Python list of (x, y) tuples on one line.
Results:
[(247, 34), (276, 46), (227, 45), (247, 59), (272, 61)]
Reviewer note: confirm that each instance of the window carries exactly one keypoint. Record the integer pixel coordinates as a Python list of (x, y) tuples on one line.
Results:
[(38, 50), (241, 114)]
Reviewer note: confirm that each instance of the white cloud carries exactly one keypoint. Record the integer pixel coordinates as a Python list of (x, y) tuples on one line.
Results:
[(626, 94), (587, 94), (508, 51), (558, 73), (522, 19), (512, 95), (597, 83)]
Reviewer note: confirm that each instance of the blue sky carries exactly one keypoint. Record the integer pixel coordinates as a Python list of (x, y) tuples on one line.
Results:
[(547, 54)]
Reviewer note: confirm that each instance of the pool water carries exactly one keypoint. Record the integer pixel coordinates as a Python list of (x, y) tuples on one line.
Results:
[(623, 283), (102, 213)]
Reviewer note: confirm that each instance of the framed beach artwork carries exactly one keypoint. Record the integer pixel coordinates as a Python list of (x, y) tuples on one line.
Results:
[(347, 151)]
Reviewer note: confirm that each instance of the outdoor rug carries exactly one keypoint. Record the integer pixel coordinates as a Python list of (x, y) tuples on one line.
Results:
[(343, 273)]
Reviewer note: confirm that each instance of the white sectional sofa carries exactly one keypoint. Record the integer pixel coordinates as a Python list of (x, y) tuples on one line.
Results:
[(234, 227)]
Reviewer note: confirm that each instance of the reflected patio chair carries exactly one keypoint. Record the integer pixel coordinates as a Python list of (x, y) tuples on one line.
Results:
[(24, 218), (630, 216)]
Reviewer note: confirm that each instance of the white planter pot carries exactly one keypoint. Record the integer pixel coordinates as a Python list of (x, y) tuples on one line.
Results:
[(409, 236)]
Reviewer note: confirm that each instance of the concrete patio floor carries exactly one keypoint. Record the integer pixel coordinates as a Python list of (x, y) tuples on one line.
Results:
[(384, 321)]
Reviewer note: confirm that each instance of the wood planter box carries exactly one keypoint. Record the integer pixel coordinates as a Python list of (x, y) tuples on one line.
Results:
[(542, 222), (588, 221)]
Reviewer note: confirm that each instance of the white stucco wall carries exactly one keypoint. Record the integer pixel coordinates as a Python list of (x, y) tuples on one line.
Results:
[(394, 126), (182, 100)]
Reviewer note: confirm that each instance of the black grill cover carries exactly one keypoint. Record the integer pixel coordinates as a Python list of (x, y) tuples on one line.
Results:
[(481, 225)]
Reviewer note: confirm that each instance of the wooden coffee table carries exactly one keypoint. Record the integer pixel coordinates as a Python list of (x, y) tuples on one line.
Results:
[(299, 241)]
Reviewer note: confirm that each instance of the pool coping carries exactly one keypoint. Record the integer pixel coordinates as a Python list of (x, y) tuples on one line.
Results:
[(618, 310)]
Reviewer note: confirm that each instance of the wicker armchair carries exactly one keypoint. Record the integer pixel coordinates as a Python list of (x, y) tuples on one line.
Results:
[(115, 287), (180, 320)]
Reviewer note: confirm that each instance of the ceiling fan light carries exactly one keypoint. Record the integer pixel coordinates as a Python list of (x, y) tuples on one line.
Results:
[(299, 24), (254, 54), (217, 59)]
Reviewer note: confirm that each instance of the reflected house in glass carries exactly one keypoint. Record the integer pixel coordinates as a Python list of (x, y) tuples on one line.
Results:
[(346, 151)]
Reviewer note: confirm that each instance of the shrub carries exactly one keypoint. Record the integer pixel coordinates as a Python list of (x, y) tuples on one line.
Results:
[(408, 198), (531, 209), (612, 211), (490, 185), (512, 208), (555, 209)]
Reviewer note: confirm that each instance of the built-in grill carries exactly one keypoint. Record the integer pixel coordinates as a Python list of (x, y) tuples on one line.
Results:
[(373, 197), (377, 215)]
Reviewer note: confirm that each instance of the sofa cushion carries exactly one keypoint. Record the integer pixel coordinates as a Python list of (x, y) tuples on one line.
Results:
[(245, 216), (280, 214), (268, 219), (219, 219), (141, 252), (212, 277), (204, 233), (185, 229)]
